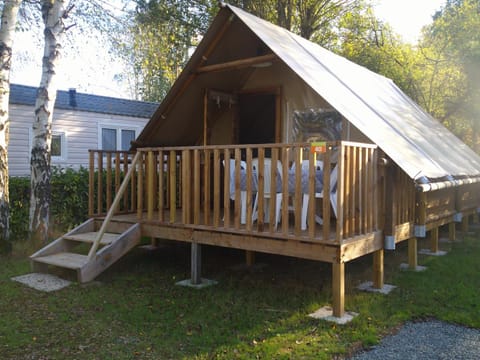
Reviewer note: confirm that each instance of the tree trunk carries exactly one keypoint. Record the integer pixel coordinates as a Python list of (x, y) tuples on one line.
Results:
[(53, 14), (7, 30)]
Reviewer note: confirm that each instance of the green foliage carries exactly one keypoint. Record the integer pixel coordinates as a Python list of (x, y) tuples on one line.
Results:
[(371, 43), (159, 36), (69, 197), (19, 188), (452, 47), (68, 206)]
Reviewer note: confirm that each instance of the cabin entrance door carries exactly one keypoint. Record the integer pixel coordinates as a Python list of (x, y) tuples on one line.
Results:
[(259, 118)]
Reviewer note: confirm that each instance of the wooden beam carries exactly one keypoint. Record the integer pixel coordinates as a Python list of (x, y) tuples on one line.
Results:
[(412, 253), (360, 245), (338, 288), (434, 240), (465, 223), (303, 250), (451, 231), (249, 258), (196, 263), (378, 273), (238, 64)]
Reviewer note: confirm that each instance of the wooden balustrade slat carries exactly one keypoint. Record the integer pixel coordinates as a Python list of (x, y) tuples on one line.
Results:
[(196, 187), (109, 180), (311, 195), (285, 195), (327, 170), (261, 190), (161, 185), (151, 170), (226, 187), (117, 177), (185, 198), (273, 190), (172, 179), (207, 187), (91, 183), (298, 191), (100, 189), (216, 188), (125, 171), (249, 188), (340, 193), (140, 192), (237, 202)]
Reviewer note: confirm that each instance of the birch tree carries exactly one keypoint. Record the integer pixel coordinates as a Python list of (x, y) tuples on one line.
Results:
[(54, 13), (7, 30)]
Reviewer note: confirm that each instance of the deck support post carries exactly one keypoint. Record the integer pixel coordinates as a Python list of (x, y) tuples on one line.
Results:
[(196, 263), (412, 253), (338, 288), (434, 240), (452, 235), (465, 223), (249, 257), (378, 271)]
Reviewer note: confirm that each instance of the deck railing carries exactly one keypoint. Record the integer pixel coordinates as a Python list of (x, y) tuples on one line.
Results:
[(195, 186), (107, 169)]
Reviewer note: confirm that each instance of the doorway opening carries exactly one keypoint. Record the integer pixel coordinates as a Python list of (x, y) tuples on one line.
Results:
[(257, 122)]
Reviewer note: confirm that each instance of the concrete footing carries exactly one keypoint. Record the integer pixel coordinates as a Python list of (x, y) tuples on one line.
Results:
[(368, 286), (326, 313), (202, 284), (431, 253), (418, 268)]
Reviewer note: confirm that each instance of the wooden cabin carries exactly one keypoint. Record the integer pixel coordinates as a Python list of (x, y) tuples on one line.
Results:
[(270, 143)]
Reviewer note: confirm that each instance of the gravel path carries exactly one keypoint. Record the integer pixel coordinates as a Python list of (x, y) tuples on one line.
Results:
[(427, 340)]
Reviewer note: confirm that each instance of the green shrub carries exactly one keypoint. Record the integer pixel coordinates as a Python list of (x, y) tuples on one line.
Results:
[(19, 188), (68, 206), (69, 198)]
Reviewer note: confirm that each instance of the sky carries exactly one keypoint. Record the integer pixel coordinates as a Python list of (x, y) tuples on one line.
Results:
[(407, 17), (90, 69)]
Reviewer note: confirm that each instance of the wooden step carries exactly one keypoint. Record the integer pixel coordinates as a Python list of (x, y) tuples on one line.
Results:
[(89, 237), (64, 259)]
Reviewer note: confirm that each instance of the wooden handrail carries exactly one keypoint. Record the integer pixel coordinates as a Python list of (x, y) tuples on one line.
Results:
[(113, 207)]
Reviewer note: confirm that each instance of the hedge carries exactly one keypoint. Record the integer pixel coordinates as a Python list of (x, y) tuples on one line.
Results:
[(68, 206)]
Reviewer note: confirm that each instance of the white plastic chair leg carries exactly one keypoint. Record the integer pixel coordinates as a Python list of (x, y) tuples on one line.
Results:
[(278, 210), (304, 211), (243, 207), (255, 209), (333, 201)]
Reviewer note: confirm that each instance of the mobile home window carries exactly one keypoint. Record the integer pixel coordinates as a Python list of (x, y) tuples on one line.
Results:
[(127, 137), (109, 139), (116, 138), (58, 147)]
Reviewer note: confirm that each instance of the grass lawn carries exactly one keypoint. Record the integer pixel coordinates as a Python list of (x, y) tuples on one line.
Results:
[(135, 311)]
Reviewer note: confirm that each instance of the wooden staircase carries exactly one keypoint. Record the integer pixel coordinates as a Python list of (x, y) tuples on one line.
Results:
[(107, 243)]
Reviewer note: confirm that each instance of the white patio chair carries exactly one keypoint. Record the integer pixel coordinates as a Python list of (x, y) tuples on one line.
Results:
[(232, 190), (267, 191), (319, 195)]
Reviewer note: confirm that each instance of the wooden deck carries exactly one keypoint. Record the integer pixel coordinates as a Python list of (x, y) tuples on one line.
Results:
[(205, 195)]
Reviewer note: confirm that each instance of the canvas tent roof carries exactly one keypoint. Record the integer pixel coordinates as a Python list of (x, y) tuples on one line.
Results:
[(413, 139)]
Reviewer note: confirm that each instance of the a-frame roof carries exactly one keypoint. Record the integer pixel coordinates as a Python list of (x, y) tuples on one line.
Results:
[(413, 139)]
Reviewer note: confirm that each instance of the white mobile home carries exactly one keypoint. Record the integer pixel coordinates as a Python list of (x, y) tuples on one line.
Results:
[(80, 122)]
